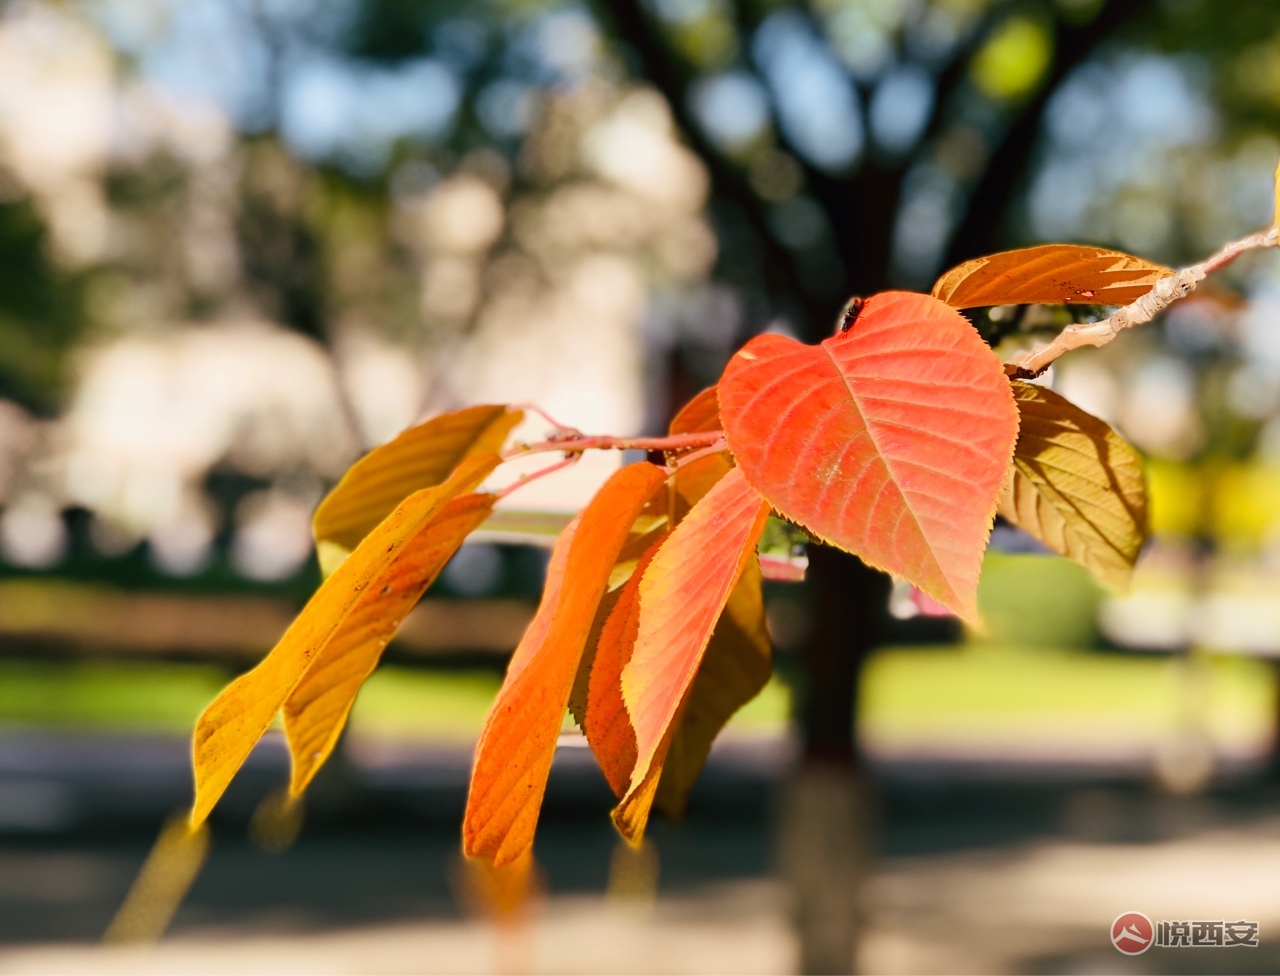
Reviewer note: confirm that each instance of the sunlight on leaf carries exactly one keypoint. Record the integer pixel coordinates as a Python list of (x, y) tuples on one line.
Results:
[(1076, 485), (680, 597), (513, 757), (317, 709), (231, 726), (1049, 274), (890, 440), (420, 457)]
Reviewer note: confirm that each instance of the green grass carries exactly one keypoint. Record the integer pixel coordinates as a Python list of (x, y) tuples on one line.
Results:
[(998, 690), (126, 696)]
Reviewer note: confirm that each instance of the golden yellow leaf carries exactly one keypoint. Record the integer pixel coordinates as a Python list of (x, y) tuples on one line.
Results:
[(229, 728), (317, 709), (1076, 485), (420, 457), (1276, 219), (1049, 274)]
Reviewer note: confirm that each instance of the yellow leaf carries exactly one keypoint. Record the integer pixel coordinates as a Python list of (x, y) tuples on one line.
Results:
[(229, 728), (317, 710), (1076, 486), (420, 457), (1276, 219), (1048, 275)]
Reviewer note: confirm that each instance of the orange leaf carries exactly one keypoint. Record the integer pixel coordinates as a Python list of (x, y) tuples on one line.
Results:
[(735, 668), (1049, 274), (701, 415), (890, 440), (607, 725), (516, 747), (231, 726), (317, 709), (681, 595), (420, 457)]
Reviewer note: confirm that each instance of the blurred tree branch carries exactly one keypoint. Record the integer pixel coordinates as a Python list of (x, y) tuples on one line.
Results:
[(1003, 179)]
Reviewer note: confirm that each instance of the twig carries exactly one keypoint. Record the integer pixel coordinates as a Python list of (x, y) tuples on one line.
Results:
[(716, 447), (534, 408), (572, 442), (1164, 293)]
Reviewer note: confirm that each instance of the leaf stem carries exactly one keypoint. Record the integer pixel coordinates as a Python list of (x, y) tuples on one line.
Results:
[(566, 462), (1165, 292)]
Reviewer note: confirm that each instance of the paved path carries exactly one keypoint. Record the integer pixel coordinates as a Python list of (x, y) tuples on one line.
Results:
[(984, 869)]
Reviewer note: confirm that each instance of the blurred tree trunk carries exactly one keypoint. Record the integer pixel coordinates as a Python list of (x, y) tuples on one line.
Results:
[(826, 813)]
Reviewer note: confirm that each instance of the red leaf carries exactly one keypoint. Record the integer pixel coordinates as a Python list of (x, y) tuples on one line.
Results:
[(890, 440), (681, 596), (516, 747)]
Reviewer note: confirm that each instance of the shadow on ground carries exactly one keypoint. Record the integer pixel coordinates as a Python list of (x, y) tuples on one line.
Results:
[(983, 867)]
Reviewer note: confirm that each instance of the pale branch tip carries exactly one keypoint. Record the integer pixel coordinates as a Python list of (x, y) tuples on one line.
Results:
[(1166, 291)]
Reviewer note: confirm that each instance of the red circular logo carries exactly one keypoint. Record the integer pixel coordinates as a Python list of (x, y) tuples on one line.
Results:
[(1132, 933)]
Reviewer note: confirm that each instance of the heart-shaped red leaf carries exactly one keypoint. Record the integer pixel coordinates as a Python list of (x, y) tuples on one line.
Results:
[(890, 440)]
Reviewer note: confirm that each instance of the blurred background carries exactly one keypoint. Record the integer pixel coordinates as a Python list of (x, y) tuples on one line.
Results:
[(242, 241)]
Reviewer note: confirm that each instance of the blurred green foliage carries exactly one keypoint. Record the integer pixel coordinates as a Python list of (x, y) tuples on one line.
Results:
[(41, 312)]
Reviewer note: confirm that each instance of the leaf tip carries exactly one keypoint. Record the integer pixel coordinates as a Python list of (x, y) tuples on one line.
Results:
[(1275, 221)]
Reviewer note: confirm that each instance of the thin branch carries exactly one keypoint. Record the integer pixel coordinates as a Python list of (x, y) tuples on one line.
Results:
[(534, 408), (1164, 293), (718, 446), (1002, 181), (567, 461), (572, 442)]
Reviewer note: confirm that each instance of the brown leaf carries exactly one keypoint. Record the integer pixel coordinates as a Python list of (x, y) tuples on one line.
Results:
[(1049, 274), (1076, 485)]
